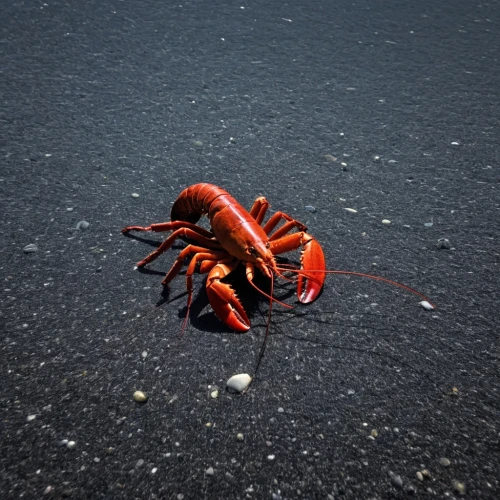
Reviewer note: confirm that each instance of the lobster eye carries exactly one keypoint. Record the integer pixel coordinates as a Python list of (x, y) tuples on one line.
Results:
[(252, 251)]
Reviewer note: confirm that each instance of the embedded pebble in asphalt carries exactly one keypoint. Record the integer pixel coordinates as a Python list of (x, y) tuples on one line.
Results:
[(31, 248), (140, 397), (444, 243), (427, 305), (238, 383), (83, 224)]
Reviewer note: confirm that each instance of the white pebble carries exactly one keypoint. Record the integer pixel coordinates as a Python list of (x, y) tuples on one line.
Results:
[(83, 224), (444, 243), (426, 305), (239, 382), (140, 397), (310, 208), (209, 471), (144, 354), (214, 394), (135, 195), (71, 445), (271, 457), (386, 221), (30, 418), (351, 210), (31, 248), (239, 436)]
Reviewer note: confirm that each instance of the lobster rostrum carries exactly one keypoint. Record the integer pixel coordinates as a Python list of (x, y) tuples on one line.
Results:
[(237, 236)]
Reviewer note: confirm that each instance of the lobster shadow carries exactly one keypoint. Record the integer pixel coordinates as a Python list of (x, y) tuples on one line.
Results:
[(251, 300)]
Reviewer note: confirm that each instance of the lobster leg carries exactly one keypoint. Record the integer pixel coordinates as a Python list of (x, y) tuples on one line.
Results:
[(310, 278), (259, 209), (199, 236), (223, 299), (289, 225), (191, 250)]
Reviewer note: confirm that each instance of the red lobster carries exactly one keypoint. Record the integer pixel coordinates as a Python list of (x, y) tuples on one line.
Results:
[(237, 236)]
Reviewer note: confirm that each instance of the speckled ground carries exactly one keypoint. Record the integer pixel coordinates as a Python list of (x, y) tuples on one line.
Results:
[(390, 110)]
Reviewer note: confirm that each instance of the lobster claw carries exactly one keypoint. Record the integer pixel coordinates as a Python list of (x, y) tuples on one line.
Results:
[(223, 300), (310, 282)]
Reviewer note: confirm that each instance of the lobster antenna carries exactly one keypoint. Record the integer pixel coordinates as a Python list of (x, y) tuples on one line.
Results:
[(364, 275), (263, 347), (270, 297)]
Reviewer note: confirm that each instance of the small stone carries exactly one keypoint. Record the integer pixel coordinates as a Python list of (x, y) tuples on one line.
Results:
[(376, 158), (135, 195), (386, 221), (48, 490), (459, 487), (444, 243), (310, 208), (140, 397), (271, 457), (426, 473), (198, 144), (208, 425), (238, 383), (83, 224), (420, 476), (396, 480), (71, 445), (281, 409), (455, 143), (144, 354), (330, 158), (30, 418), (97, 460), (214, 394), (210, 471), (232, 140), (444, 462), (239, 436), (31, 248), (351, 210), (428, 224), (139, 463), (374, 433), (427, 305), (154, 470)]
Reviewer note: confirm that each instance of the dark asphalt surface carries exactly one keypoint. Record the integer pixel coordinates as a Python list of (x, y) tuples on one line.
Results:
[(359, 392)]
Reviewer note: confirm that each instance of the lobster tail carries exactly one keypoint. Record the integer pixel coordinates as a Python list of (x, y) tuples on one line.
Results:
[(192, 202)]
